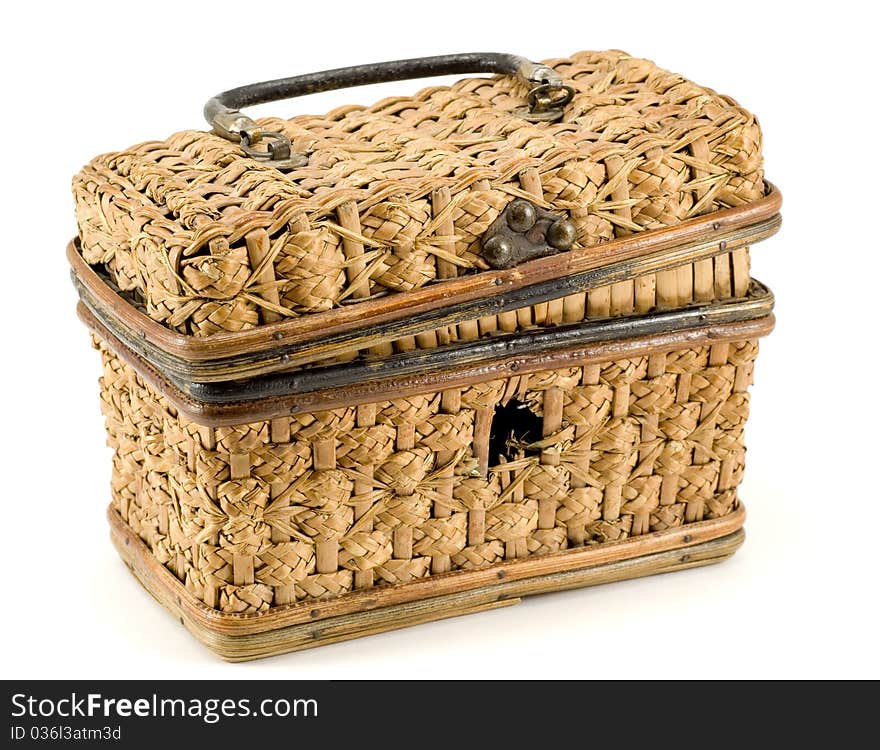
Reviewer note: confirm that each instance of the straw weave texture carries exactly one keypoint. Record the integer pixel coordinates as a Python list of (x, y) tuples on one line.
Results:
[(308, 506)]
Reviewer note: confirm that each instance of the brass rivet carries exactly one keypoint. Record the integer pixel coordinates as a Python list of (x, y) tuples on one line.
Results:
[(314, 613), (687, 538), (521, 216), (502, 574), (498, 252), (561, 234), (278, 335)]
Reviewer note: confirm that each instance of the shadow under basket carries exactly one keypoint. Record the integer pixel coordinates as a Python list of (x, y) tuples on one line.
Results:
[(246, 637), (425, 358)]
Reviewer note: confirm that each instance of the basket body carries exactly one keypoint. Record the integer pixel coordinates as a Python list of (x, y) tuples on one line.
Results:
[(279, 511), (330, 417)]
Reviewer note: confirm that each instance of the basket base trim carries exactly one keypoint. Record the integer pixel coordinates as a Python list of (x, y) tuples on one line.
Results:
[(234, 638)]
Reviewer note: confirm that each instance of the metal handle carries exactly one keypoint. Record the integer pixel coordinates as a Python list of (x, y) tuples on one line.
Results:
[(546, 100)]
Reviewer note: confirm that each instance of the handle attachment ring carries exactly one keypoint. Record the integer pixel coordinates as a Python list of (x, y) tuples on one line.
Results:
[(278, 152), (546, 102)]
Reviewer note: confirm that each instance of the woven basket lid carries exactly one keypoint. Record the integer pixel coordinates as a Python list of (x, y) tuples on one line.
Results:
[(397, 196)]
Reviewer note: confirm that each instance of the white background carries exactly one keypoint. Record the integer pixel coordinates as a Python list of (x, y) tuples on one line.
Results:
[(799, 600)]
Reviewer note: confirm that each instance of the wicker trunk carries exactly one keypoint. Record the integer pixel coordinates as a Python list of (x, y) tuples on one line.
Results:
[(404, 362)]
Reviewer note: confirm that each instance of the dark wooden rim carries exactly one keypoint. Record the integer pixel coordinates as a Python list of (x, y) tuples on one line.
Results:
[(758, 303), (458, 355), (242, 411), (285, 358), (425, 305)]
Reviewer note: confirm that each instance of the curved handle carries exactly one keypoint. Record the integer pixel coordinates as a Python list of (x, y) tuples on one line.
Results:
[(546, 98)]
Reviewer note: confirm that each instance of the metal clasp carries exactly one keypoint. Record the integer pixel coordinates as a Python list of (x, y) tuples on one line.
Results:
[(525, 231)]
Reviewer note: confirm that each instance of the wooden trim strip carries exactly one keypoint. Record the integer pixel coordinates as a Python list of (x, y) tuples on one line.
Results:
[(239, 412), (421, 309), (284, 358), (758, 303), (158, 579), (238, 648), (456, 356)]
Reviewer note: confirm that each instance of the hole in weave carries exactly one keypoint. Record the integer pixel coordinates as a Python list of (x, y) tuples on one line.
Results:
[(513, 426)]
